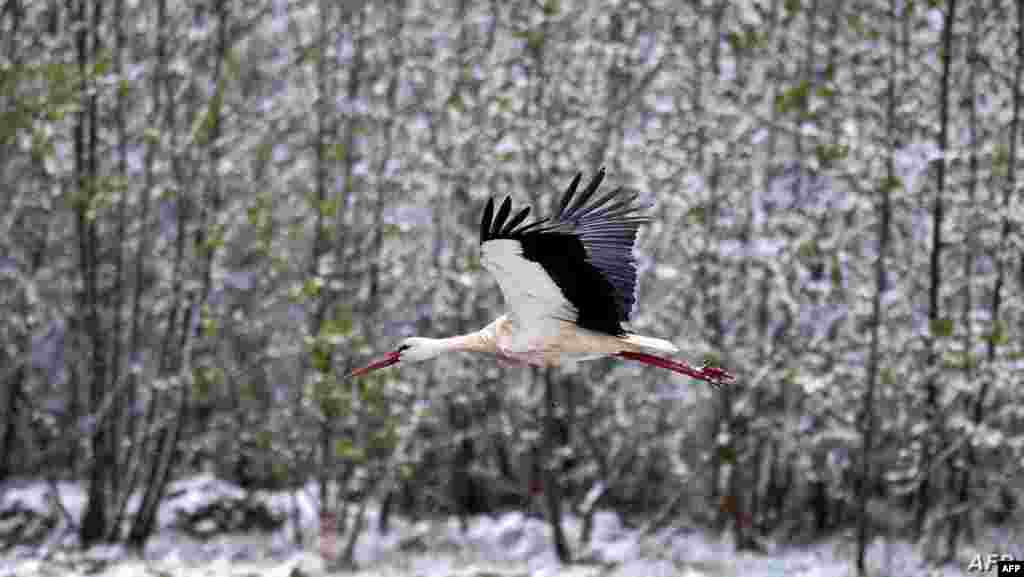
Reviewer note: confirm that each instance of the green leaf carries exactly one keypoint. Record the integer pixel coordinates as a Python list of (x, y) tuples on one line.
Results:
[(807, 250), (829, 73), (247, 391), (203, 381), (829, 153), (123, 88), (264, 440), (391, 231), (320, 358), (856, 23), (734, 40), (727, 454), (891, 184), (344, 449), (264, 153), (792, 6), (332, 400), (697, 215), (279, 472), (534, 38), (203, 127), (335, 151), (794, 97), (340, 326), (747, 40), (58, 75), (254, 214), (957, 360), (998, 336), (385, 439), (941, 327), (1001, 160), (712, 359), (551, 8), (214, 238), (234, 64), (405, 471), (328, 207), (311, 287), (455, 102), (208, 327), (102, 66)]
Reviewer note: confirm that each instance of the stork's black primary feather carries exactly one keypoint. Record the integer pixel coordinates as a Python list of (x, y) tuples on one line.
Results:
[(516, 220), (586, 249)]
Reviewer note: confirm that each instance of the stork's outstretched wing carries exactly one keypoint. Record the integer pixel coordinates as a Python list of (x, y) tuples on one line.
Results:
[(577, 266)]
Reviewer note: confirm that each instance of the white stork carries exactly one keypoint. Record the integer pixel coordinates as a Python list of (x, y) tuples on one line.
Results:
[(569, 283)]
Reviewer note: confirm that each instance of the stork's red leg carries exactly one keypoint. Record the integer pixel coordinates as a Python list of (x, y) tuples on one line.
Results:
[(714, 375)]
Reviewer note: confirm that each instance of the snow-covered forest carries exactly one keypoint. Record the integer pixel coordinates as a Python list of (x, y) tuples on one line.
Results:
[(211, 211)]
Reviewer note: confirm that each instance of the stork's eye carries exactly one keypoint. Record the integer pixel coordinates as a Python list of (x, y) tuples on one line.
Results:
[(404, 348)]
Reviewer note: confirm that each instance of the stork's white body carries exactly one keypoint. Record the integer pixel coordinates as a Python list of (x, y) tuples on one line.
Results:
[(566, 343)]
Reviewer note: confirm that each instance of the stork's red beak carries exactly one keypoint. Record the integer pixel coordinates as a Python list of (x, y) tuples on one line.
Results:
[(388, 360)]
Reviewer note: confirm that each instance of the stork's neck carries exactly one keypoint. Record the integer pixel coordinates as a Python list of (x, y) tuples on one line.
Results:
[(474, 342)]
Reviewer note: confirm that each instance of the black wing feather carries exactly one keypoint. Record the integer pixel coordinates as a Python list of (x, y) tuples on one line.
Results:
[(499, 219), (586, 249), (485, 222), (516, 220), (583, 198), (569, 192)]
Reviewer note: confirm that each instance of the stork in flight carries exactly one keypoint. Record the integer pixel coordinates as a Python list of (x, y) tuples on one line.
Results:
[(569, 282)]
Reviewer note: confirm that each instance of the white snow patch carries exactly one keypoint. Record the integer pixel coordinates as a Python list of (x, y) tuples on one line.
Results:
[(507, 545)]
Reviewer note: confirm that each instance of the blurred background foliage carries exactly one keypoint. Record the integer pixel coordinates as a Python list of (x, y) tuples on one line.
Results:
[(212, 210)]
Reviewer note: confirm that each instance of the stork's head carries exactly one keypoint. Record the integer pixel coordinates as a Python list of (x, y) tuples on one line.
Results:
[(410, 350)]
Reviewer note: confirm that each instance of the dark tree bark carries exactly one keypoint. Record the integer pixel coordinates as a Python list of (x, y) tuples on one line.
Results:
[(551, 484), (866, 419), (12, 383), (932, 435), (119, 408), (321, 242), (133, 463), (183, 336), (961, 469), (385, 182), (352, 91), (94, 521)]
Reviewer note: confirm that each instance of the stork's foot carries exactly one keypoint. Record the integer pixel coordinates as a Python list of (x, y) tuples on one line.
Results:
[(716, 376)]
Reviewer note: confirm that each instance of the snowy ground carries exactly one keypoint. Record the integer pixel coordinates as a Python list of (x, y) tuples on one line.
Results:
[(510, 545)]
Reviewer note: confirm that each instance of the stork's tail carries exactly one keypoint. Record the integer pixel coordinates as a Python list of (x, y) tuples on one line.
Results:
[(642, 343)]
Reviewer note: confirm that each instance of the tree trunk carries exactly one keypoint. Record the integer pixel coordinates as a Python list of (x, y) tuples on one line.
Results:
[(932, 434), (551, 488), (961, 470), (94, 521), (867, 412)]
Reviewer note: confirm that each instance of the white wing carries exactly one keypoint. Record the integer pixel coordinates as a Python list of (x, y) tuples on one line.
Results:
[(534, 301)]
